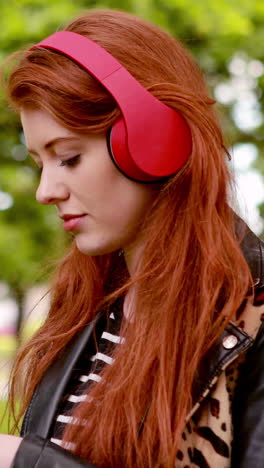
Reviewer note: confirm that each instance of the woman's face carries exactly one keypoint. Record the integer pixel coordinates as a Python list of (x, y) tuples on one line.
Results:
[(101, 206)]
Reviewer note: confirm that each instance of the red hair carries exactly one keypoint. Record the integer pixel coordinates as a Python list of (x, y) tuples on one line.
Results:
[(192, 276)]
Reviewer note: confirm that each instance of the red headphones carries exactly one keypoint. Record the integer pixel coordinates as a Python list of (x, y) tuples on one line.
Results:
[(151, 141)]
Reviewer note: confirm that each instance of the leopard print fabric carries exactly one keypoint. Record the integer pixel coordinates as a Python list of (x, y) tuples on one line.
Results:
[(207, 438)]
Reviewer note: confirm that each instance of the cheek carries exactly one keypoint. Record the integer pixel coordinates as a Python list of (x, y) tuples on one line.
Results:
[(111, 198), (130, 206)]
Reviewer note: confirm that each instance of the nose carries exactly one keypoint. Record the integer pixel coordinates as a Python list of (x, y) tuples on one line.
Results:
[(51, 189)]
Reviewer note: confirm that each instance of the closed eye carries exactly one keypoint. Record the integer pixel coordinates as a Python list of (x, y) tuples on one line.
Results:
[(71, 162)]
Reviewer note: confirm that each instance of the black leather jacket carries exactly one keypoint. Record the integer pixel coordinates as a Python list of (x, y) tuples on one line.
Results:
[(248, 406)]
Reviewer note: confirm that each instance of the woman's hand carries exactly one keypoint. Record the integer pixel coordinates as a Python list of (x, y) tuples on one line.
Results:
[(8, 448)]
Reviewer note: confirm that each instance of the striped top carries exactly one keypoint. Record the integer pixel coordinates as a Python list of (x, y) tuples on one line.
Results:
[(88, 370)]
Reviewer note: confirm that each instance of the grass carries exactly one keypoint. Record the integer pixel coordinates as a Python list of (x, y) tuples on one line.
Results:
[(4, 421), (7, 344), (8, 347)]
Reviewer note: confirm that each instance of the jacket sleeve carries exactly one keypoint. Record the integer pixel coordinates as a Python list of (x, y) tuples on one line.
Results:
[(248, 409), (36, 452)]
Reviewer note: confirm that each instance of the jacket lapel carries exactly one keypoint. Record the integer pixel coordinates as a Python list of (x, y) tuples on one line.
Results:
[(227, 348), (45, 400), (239, 336)]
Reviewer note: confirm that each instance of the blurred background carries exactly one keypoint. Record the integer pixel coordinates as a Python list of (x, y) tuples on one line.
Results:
[(227, 40)]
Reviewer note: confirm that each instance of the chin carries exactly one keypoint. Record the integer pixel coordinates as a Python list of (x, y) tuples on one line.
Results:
[(95, 248)]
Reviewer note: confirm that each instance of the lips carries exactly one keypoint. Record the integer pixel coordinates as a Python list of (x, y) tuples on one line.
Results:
[(66, 217), (72, 222)]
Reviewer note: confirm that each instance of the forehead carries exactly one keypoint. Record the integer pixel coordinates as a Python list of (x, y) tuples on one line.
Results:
[(41, 130)]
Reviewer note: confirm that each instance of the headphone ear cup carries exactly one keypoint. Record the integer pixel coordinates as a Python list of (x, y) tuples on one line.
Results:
[(116, 142), (119, 153)]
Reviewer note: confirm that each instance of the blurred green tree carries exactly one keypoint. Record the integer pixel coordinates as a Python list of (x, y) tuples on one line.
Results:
[(226, 38)]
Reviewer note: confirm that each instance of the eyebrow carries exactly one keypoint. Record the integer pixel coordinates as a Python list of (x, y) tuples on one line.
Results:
[(53, 142)]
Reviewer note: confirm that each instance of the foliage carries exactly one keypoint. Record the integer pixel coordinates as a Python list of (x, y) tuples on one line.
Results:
[(215, 32), (5, 424)]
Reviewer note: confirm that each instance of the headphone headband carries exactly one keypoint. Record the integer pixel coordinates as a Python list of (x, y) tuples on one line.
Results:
[(158, 138)]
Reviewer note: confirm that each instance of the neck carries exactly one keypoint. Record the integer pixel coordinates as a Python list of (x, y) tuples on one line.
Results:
[(132, 256)]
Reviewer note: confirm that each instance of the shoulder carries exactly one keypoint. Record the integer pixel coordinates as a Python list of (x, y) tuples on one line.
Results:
[(253, 250), (248, 402), (248, 409)]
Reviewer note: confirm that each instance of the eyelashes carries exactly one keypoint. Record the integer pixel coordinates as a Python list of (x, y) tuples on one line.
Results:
[(71, 162)]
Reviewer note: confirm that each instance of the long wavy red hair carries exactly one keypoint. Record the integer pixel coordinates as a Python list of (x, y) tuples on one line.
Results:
[(192, 275)]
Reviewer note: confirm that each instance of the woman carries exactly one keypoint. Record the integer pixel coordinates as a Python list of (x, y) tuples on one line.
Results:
[(143, 360)]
